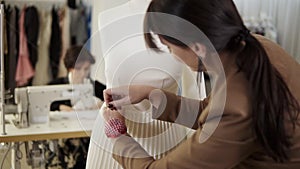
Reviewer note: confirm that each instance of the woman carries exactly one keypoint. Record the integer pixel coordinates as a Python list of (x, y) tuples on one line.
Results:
[(78, 63), (259, 127)]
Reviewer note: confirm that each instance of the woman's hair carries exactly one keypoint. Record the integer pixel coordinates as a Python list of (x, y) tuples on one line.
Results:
[(77, 54), (219, 20)]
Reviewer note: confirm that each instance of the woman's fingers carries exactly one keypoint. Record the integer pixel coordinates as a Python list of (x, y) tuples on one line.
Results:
[(118, 103), (107, 96), (113, 95), (120, 96), (111, 114)]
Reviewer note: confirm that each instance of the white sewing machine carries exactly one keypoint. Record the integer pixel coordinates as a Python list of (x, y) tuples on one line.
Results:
[(34, 102)]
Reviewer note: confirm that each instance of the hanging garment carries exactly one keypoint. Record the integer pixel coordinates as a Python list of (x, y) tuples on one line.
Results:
[(89, 27), (12, 18), (31, 25), (66, 41), (78, 29), (55, 43), (24, 70), (72, 4), (43, 75), (17, 31), (8, 12), (13, 47)]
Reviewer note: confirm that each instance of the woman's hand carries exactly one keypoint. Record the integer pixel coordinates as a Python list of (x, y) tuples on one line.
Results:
[(98, 105), (126, 95), (109, 114), (63, 107)]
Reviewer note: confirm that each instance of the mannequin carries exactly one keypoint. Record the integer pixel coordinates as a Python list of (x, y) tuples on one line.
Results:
[(128, 61)]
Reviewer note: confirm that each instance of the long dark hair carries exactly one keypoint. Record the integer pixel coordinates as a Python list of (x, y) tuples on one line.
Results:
[(219, 20)]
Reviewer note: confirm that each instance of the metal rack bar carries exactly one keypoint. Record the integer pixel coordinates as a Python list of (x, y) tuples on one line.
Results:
[(2, 100)]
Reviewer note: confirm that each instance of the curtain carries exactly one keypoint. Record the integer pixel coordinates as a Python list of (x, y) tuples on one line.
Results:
[(285, 15)]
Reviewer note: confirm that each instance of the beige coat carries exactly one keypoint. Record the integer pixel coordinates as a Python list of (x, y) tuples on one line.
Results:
[(233, 144)]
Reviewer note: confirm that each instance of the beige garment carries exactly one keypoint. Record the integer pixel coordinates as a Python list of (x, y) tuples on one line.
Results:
[(233, 143), (189, 85), (43, 74), (65, 37)]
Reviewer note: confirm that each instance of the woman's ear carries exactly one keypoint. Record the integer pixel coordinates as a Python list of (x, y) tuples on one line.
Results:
[(199, 49)]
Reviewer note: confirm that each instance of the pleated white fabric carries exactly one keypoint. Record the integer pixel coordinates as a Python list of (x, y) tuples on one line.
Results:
[(156, 137)]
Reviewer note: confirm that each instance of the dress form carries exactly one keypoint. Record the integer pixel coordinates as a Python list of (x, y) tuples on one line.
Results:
[(121, 36), (127, 61)]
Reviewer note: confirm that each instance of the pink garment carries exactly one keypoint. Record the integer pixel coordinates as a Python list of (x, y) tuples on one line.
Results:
[(24, 68)]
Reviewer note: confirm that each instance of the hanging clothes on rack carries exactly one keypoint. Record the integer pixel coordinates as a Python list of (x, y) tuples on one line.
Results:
[(66, 38), (262, 25), (55, 44), (72, 4), (31, 25), (24, 70), (283, 14), (88, 14), (78, 28), (74, 31), (12, 18), (43, 75)]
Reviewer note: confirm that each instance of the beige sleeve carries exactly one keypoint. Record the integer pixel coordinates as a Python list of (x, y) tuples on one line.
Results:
[(226, 148), (172, 108)]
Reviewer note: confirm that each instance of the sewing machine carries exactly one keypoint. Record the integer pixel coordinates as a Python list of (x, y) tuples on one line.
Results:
[(32, 123), (34, 102)]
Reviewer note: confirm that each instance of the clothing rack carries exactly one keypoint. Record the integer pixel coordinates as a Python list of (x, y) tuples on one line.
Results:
[(2, 99), (45, 4), (19, 3), (43, 1)]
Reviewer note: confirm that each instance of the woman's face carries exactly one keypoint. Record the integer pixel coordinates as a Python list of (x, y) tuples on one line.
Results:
[(184, 55), (80, 71)]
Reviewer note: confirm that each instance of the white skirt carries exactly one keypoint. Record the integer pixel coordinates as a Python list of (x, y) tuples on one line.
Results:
[(156, 137)]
